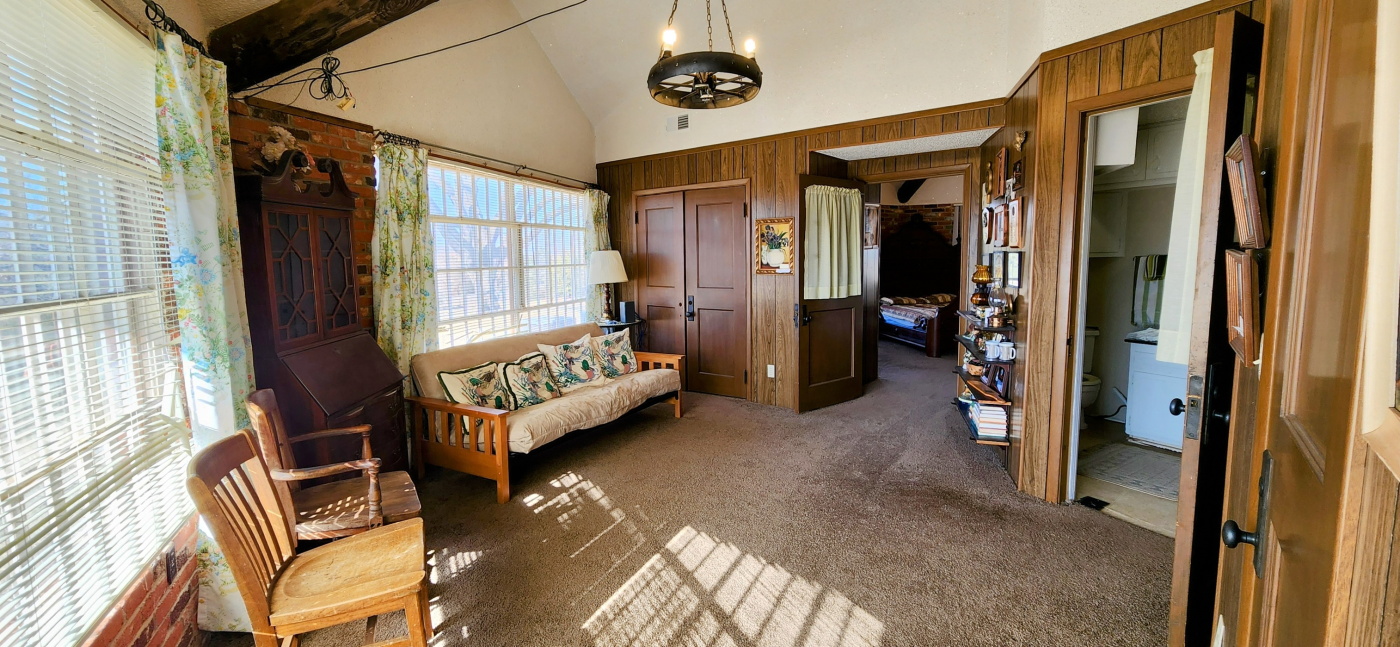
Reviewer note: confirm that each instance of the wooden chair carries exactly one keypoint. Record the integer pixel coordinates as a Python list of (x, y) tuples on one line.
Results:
[(335, 509), (378, 571)]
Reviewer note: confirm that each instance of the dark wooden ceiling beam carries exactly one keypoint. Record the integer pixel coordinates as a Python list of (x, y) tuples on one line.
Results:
[(291, 33)]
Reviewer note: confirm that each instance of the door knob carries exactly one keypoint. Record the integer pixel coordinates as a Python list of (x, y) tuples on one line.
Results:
[(1233, 536), (690, 308), (1176, 406)]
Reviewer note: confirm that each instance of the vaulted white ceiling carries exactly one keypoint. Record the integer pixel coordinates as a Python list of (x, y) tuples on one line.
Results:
[(824, 61)]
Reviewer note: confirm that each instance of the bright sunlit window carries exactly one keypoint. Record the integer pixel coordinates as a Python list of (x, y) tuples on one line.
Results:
[(509, 254), (91, 457)]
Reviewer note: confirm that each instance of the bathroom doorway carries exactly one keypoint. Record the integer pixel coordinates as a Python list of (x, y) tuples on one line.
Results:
[(1126, 438)]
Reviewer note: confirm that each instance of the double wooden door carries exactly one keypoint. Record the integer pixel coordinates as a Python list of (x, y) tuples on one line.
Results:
[(693, 283)]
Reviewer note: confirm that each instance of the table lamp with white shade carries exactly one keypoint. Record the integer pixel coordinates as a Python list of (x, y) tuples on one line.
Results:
[(605, 268)]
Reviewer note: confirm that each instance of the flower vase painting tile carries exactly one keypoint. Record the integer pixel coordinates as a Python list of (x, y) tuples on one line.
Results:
[(776, 247)]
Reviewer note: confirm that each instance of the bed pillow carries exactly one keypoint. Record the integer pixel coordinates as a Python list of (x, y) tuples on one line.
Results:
[(939, 299), (887, 301), (528, 381), (615, 354), (479, 386), (572, 365)]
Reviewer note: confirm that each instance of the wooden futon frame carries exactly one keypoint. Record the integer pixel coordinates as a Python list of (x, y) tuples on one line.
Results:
[(446, 434)]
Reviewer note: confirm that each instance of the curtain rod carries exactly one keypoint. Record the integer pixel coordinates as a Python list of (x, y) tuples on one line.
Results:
[(517, 169), (156, 14)]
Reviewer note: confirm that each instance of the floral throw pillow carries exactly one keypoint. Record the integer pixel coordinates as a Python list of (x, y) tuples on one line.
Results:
[(480, 386), (529, 381), (572, 365), (615, 353)]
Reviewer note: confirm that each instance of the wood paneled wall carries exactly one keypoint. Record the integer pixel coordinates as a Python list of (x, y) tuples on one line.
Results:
[(1157, 50), (771, 166)]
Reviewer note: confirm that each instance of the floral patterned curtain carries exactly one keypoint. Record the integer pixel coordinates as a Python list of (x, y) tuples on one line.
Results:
[(405, 306), (597, 240), (207, 264)]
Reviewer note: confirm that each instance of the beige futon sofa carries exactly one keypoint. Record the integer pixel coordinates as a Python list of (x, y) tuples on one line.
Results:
[(439, 425)]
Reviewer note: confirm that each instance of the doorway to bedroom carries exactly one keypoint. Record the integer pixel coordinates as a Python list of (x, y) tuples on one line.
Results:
[(918, 235)]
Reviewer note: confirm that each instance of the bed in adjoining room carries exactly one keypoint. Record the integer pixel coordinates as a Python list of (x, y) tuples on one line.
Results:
[(919, 277)]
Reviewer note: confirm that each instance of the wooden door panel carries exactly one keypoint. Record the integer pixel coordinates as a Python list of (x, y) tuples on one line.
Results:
[(716, 354), (717, 253), (830, 360), (1308, 375), (716, 231), (665, 328), (661, 275), (831, 332), (1312, 372)]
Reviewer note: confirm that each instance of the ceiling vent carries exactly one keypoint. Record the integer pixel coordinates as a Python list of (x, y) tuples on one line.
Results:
[(678, 122)]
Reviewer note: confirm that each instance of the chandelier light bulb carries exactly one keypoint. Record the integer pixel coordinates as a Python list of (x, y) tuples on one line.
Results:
[(749, 47), (669, 37)]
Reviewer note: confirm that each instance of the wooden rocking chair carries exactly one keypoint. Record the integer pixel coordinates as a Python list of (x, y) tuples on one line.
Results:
[(335, 509), (378, 571)]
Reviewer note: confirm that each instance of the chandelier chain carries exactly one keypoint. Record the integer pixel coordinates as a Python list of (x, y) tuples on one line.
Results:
[(725, 7), (709, 26)]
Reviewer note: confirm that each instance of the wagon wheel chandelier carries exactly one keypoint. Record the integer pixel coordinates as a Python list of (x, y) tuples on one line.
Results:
[(708, 79)]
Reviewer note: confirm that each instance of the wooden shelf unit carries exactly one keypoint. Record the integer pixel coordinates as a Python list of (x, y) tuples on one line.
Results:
[(985, 394)]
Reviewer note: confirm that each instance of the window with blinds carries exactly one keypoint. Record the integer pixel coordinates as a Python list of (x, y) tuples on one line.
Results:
[(91, 454), (509, 255)]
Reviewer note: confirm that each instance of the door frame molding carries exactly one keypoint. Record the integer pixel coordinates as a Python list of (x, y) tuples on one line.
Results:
[(749, 218), (1067, 300), (967, 171)]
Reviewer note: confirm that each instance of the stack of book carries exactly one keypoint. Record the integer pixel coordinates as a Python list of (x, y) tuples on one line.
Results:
[(990, 421)]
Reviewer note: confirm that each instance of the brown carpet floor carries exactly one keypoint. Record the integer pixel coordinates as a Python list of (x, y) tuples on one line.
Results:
[(871, 523)]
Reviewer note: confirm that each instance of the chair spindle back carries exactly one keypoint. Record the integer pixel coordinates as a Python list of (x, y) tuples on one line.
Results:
[(232, 490)]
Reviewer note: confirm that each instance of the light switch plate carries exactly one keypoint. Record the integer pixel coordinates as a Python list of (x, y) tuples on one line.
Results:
[(772, 371)]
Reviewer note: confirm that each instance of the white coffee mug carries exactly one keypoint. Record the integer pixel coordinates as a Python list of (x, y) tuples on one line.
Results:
[(1006, 350), (993, 350)]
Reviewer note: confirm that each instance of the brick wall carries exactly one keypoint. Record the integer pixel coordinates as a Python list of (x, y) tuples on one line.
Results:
[(941, 216), (158, 610), (349, 143)]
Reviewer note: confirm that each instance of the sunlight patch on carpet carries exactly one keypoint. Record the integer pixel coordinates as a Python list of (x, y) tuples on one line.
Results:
[(700, 592)]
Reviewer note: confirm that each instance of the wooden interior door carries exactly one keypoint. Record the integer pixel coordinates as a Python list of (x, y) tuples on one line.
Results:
[(661, 275), (1292, 588), (830, 332), (717, 262), (1211, 364)]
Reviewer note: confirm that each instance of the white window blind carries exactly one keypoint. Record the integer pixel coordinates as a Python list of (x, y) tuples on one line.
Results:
[(508, 254), (91, 457)]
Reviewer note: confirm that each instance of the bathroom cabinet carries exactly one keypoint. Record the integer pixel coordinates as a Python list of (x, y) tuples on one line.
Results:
[(1152, 385)]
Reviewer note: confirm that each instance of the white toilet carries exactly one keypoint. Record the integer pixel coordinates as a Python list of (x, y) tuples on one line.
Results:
[(1088, 384)]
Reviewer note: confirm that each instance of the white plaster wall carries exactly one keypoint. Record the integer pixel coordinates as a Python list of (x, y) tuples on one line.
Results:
[(500, 97), (824, 61)]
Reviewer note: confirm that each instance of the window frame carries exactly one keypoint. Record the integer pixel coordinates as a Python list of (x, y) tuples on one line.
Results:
[(515, 267)]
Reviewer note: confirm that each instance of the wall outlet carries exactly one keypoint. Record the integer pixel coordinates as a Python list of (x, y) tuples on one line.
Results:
[(772, 371)]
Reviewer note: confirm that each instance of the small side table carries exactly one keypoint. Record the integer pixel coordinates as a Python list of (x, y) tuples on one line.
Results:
[(638, 327)]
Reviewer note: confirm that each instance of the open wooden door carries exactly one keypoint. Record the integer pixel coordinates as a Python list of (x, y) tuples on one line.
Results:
[(1289, 486), (1211, 364), (830, 332)]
